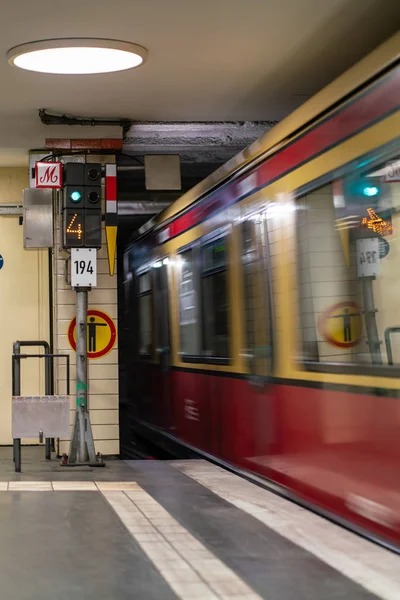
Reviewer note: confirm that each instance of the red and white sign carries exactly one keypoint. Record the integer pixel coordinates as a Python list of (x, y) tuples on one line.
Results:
[(111, 189), (48, 174), (101, 334)]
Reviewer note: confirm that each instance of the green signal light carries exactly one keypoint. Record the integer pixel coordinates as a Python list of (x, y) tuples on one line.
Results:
[(370, 190), (75, 196)]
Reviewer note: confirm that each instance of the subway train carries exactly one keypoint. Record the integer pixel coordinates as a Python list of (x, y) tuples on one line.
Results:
[(261, 309)]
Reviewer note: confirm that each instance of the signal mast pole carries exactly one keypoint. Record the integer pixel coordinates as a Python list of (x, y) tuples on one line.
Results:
[(81, 368), (82, 448), (82, 230), (82, 445)]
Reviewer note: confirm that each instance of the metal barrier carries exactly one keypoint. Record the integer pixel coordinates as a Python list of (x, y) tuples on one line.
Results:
[(49, 386)]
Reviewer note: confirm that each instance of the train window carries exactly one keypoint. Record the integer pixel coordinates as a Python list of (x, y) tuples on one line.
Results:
[(145, 283), (161, 306), (145, 314), (257, 295), (348, 248), (189, 306), (214, 289)]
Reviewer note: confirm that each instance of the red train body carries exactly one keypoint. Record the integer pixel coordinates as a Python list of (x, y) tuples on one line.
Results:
[(317, 420)]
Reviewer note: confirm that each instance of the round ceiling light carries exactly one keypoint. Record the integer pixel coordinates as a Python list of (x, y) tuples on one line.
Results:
[(77, 56)]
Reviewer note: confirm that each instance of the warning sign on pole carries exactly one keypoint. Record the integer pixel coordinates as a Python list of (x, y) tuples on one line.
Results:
[(101, 334), (341, 324)]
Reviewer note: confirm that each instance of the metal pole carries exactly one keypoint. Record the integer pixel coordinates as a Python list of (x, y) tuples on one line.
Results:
[(370, 321), (81, 368), (17, 455), (16, 391), (48, 448), (51, 330), (47, 391)]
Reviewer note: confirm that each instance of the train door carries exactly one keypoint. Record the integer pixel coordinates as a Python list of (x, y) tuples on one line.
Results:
[(257, 284), (163, 343)]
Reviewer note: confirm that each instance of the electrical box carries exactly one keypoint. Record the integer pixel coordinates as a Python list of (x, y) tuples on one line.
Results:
[(34, 414), (38, 218)]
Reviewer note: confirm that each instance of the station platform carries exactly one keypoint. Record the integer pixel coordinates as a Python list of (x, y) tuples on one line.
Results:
[(168, 530)]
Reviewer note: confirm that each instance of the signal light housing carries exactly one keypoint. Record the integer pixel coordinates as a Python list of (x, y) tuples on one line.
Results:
[(82, 216), (73, 174), (93, 197), (92, 174)]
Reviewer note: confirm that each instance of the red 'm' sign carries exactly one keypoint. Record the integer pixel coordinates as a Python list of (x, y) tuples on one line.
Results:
[(48, 174)]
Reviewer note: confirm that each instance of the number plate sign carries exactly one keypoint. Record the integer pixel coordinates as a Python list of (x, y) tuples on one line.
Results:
[(392, 172), (368, 257), (83, 267)]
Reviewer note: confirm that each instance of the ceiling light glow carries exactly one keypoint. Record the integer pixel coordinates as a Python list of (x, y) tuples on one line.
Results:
[(77, 56)]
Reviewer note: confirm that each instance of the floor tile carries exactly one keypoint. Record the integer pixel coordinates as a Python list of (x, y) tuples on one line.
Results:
[(30, 486), (74, 486), (116, 485)]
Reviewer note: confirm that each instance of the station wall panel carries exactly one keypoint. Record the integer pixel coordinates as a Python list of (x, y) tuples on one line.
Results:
[(67, 312), (24, 299)]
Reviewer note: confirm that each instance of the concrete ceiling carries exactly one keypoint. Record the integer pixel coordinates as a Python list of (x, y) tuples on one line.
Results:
[(202, 147), (210, 60)]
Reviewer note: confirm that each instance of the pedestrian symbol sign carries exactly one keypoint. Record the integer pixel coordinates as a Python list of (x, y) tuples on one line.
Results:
[(101, 334), (341, 324)]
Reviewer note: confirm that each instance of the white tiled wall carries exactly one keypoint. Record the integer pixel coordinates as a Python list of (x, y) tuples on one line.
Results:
[(102, 372)]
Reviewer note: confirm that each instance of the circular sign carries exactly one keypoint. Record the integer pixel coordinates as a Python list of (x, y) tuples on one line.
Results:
[(1, 261), (383, 248), (101, 334), (341, 324)]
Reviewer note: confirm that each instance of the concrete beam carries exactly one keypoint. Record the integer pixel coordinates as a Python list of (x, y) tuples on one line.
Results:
[(196, 142)]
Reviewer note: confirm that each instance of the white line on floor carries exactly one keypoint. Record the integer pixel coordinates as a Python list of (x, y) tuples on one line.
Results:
[(30, 486), (191, 570), (48, 486), (65, 486), (371, 566), (74, 486)]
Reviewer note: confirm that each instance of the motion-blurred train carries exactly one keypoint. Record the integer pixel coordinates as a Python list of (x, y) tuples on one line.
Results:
[(263, 308)]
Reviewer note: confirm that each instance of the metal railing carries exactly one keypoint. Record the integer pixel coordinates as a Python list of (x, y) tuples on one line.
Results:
[(48, 384)]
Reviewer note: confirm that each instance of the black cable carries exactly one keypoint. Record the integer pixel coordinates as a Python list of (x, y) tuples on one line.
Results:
[(131, 157), (46, 158), (58, 153)]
